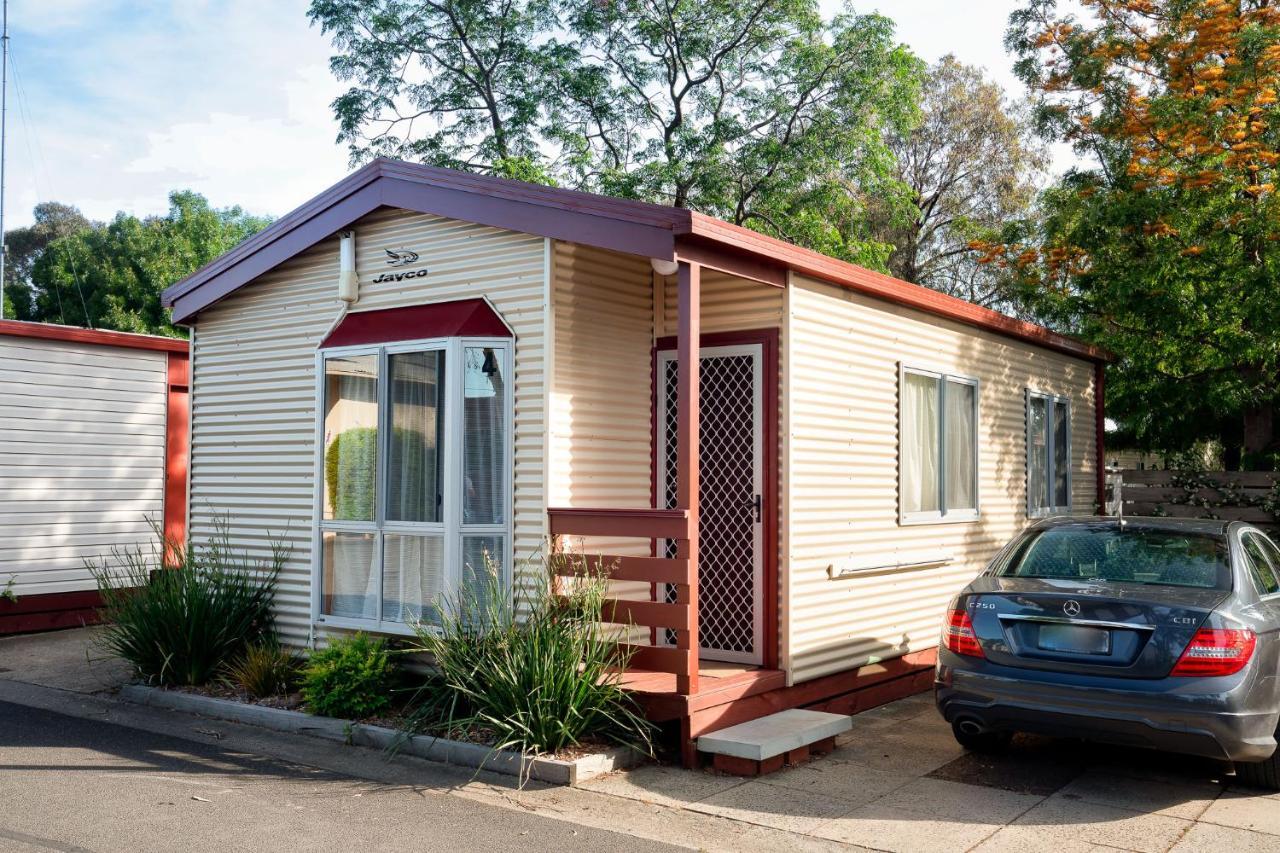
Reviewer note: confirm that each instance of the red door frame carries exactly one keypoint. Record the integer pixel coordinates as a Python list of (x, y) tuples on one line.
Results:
[(768, 340)]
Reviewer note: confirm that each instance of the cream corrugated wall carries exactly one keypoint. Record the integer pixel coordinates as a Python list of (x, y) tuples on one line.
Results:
[(729, 304), (844, 353), (600, 390), (82, 455), (254, 389)]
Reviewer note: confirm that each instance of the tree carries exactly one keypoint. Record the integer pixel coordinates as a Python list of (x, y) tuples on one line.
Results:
[(758, 112), (971, 166), (23, 246), (111, 276), (1167, 250), (456, 83)]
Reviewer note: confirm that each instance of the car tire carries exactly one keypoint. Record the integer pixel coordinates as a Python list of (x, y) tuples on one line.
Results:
[(1260, 774), (982, 740)]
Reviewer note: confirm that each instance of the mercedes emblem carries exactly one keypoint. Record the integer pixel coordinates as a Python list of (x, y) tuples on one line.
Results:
[(1071, 608)]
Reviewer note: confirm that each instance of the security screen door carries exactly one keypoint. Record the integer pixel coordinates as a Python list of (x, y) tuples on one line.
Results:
[(731, 529)]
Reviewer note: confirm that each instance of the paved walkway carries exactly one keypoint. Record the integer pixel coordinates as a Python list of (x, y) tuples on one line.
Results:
[(897, 782)]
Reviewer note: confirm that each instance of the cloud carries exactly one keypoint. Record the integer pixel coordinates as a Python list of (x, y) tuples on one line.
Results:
[(122, 102)]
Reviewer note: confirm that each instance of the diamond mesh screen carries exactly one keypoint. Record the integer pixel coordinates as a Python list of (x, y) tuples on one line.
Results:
[(726, 558)]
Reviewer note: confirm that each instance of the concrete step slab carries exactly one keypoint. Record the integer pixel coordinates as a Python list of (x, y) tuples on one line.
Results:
[(776, 734)]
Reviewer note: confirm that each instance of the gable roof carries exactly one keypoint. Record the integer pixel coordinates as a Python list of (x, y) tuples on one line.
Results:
[(633, 227)]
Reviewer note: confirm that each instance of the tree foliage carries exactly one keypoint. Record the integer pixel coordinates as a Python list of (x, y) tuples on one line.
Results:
[(110, 276), (23, 246), (761, 112), (971, 165), (1167, 250)]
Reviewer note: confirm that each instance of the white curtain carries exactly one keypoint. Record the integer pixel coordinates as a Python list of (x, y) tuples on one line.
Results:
[(919, 463), (1037, 454), (961, 480)]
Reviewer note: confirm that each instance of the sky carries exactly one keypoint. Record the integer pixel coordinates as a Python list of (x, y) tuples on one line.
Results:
[(114, 103)]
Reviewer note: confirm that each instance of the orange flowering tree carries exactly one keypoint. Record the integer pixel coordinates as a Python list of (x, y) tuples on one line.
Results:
[(1165, 247)]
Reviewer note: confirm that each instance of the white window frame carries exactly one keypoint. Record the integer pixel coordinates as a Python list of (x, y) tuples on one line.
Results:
[(451, 526), (943, 515), (1051, 401)]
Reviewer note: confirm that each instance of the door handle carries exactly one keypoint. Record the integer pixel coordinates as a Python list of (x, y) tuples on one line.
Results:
[(755, 506)]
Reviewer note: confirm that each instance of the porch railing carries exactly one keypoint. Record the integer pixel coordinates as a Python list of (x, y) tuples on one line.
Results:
[(679, 617)]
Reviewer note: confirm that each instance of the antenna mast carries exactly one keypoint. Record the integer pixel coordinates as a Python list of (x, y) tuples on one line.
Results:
[(4, 108)]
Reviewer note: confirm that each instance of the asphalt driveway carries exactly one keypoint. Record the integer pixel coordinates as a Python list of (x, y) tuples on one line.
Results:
[(897, 782), (68, 783)]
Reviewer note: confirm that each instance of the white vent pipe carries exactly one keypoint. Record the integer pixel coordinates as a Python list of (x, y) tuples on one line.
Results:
[(348, 284)]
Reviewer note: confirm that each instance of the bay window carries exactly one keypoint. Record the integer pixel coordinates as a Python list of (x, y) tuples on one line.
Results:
[(414, 474), (937, 447), (1048, 454)]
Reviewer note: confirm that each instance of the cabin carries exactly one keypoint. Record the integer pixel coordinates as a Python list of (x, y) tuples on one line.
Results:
[(93, 456), (422, 371)]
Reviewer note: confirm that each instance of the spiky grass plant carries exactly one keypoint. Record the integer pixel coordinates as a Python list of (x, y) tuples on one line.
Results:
[(536, 670), (265, 669), (179, 615)]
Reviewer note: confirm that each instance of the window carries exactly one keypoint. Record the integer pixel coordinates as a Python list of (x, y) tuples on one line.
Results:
[(1048, 454), (1120, 554), (938, 447), (415, 477), (1262, 560)]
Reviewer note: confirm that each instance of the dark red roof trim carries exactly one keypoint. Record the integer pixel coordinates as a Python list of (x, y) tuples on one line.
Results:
[(51, 332), (637, 228), (469, 318)]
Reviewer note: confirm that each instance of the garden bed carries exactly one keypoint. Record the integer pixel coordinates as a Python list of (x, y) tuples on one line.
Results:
[(570, 769)]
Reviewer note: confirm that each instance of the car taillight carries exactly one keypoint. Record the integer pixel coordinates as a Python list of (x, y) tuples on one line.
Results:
[(1216, 651), (958, 635)]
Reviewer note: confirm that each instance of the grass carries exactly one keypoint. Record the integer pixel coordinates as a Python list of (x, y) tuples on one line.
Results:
[(537, 671), (182, 620)]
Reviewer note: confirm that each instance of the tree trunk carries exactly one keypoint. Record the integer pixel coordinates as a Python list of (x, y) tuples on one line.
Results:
[(1230, 456), (1259, 438)]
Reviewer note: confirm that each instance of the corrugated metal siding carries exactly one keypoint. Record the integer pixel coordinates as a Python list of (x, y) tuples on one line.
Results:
[(844, 352), (82, 447), (729, 304), (253, 388), (601, 438)]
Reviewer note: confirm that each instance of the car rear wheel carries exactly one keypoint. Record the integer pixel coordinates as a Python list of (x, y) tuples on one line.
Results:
[(975, 737), (1261, 774)]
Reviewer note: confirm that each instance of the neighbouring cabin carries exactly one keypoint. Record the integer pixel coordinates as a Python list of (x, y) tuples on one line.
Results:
[(93, 436), (422, 373)]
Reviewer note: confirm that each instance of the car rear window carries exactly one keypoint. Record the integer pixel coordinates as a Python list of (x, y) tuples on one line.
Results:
[(1122, 555)]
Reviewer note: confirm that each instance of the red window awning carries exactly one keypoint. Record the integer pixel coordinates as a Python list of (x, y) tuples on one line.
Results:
[(469, 318)]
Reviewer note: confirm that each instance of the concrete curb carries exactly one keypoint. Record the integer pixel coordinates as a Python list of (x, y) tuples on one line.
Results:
[(551, 770)]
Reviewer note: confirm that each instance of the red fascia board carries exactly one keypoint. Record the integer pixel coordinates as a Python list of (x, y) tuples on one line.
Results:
[(470, 318), (854, 277), (75, 334), (633, 227)]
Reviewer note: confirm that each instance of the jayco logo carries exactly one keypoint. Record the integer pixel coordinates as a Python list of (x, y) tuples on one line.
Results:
[(400, 258)]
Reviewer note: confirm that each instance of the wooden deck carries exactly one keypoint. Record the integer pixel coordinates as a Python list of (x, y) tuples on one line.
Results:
[(718, 684), (728, 694)]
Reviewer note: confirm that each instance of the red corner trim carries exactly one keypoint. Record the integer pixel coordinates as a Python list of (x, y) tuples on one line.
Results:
[(177, 449), (1100, 427)]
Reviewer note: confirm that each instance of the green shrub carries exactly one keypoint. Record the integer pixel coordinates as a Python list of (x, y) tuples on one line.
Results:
[(352, 677), (540, 683), (265, 669), (183, 624), (350, 468)]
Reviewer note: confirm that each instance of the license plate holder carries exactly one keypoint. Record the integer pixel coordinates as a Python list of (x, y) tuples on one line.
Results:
[(1075, 639)]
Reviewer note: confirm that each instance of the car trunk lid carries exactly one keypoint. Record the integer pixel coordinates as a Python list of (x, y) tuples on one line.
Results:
[(1088, 627)]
